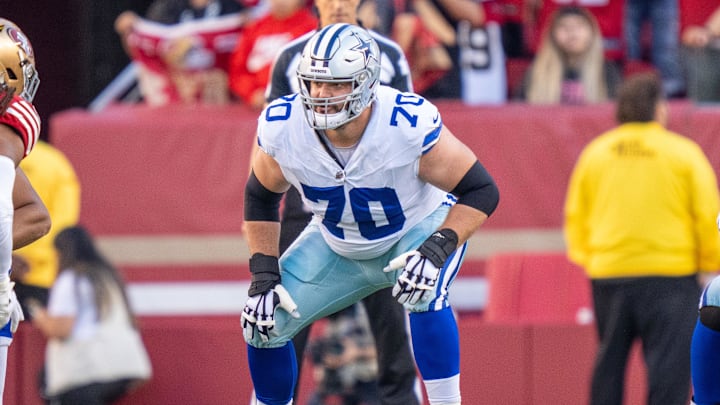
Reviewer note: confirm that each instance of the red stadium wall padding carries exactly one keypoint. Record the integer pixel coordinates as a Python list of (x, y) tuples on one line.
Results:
[(182, 169), (503, 273), (202, 360), (537, 288), (25, 361), (168, 170), (186, 273), (494, 363), (562, 361)]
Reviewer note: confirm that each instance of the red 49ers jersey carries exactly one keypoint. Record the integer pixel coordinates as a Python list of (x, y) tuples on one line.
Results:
[(24, 119)]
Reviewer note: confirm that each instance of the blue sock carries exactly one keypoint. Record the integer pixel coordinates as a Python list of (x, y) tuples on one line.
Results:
[(274, 373), (705, 364), (436, 343)]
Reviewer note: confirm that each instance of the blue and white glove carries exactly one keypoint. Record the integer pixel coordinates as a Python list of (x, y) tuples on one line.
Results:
[(266, 294), (16, 312), (6, 290), (421, 267)]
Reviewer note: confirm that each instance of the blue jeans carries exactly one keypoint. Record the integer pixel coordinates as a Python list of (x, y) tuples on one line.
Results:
[(664, 18)]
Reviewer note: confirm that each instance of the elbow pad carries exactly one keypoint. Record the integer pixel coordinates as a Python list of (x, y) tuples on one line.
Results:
[(477, 189), (261, 204)]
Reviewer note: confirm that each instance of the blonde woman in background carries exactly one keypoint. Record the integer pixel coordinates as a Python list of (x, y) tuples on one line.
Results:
[(94, 355), (570, 67)]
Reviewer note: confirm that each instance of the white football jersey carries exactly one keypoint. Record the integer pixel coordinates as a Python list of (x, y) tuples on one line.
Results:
[(366, 206)]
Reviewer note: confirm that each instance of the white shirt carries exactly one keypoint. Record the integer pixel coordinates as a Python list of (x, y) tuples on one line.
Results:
[(71, 295)]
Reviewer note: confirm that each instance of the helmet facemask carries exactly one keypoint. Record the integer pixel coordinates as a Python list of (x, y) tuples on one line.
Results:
[(31, 79), (349, 106), (6, 92), (336, 54)]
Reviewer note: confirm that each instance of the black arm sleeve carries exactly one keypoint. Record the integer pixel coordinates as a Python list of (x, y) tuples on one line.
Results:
[(261, 204), (478, 190)]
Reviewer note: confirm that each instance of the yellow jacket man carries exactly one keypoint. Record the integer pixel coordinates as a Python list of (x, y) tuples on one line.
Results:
[(53, 177), (640, 219)]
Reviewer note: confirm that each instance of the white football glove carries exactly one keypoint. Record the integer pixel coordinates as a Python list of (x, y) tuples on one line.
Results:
[(265, 294), (418, 277), (16, 312), (259, 312), (6, 288), (421, 267)]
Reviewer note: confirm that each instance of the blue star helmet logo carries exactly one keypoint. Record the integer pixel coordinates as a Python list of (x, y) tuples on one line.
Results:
[(362, 47)]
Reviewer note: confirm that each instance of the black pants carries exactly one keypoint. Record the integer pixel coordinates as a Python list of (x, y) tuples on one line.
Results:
[(93, 394), (396, 366), (25, 291), (661, 312)]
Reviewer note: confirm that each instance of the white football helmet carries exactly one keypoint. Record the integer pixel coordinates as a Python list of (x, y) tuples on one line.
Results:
[(17, 65), (339, 53)]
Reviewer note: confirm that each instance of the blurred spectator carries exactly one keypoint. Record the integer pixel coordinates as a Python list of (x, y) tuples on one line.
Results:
[(607, 13), (180, 11), (344, 360), (378, 15), (53, 177), (511, 15), (663, 18), (183, 47), (428, 58), (570, 67), (251, 61), (701, 54), (95, 354), (473, 43), (640, 215)]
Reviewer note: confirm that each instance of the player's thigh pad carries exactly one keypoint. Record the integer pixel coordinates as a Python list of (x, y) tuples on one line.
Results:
[(321, 282), (711, 294)]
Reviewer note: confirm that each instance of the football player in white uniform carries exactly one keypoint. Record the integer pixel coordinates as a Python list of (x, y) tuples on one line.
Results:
[(395, 196), (396, 372), (23, 217)]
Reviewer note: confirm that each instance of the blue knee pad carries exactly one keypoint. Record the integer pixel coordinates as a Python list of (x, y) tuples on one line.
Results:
[(436, 343), (705, 361), (274, 373)]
